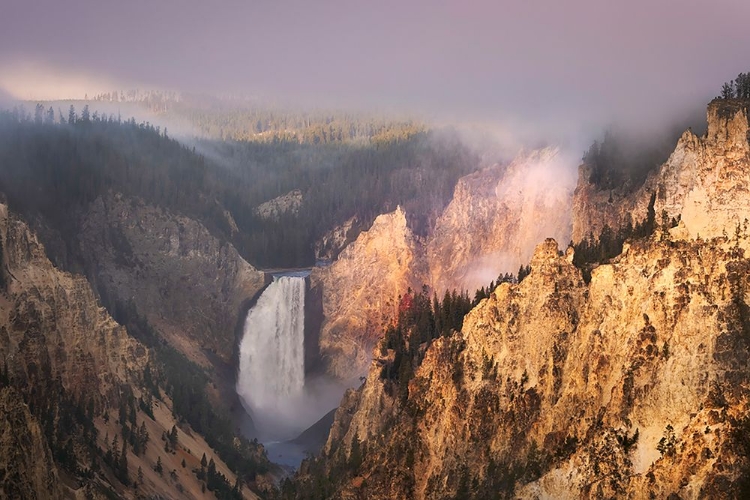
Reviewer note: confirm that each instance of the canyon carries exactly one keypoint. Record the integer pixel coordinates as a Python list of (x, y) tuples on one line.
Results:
[(634, 384), (627, 380)]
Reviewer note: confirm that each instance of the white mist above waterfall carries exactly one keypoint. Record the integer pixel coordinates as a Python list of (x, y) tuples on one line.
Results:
[(271, 379)]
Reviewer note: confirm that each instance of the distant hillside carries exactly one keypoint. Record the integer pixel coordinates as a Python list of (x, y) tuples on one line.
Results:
[(56, 162)]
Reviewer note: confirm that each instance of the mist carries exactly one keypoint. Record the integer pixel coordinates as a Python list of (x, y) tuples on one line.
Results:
[(548, 69)]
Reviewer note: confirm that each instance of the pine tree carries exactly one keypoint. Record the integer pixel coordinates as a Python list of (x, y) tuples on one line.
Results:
[(123, 466), (727, 90), (355, 456), (173, 437), (143, 435)]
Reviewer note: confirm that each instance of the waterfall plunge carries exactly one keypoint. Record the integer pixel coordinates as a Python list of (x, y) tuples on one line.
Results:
[(271, 375)]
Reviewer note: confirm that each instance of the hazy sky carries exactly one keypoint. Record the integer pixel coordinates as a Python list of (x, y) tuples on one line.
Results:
[(578, 61)]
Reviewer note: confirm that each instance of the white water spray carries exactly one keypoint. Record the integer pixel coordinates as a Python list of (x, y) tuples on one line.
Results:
[(271, 376)]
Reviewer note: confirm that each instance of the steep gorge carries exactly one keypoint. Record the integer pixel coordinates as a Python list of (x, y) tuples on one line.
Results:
[(633, 385), (73, 383)]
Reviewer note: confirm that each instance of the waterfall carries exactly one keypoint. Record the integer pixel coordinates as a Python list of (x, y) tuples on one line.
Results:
[(272, 356)]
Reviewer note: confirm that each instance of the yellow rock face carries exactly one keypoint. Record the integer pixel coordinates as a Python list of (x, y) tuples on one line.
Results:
[(495, 219), (549, 381), (360, 292), (491, 226), (706, 181)]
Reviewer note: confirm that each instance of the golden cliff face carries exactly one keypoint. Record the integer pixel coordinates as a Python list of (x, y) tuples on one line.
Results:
[(635, 385), (706, 181), (184, 281), (360, 292), (549, 381)]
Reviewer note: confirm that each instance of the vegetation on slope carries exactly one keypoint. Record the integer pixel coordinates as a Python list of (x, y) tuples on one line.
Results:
[(55, 166)]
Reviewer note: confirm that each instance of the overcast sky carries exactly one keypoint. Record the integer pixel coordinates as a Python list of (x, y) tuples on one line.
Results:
[(551, 61)]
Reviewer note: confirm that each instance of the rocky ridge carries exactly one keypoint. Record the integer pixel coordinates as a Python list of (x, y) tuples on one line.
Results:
[(704, 181)]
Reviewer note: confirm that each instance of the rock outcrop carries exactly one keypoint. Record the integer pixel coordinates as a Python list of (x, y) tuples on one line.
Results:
[(360, 292), (594, 208), (706, 182), (286, 203), (330, 245), (185, 282)]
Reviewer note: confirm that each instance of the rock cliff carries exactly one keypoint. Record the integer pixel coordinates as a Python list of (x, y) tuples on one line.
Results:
[(705, 181), (634, 385), (360, 292), (490, 227), (57, 342), (28, 470), (53, 327), (185, 282), (67, 368)]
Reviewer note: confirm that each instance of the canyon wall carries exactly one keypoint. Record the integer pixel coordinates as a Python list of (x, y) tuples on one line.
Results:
[(496, 217), (705, 182), (634, 385), (170, 270), (360, 292)]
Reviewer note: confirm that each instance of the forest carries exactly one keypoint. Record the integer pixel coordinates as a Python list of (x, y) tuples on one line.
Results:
[(244, 119), (54, 165)]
